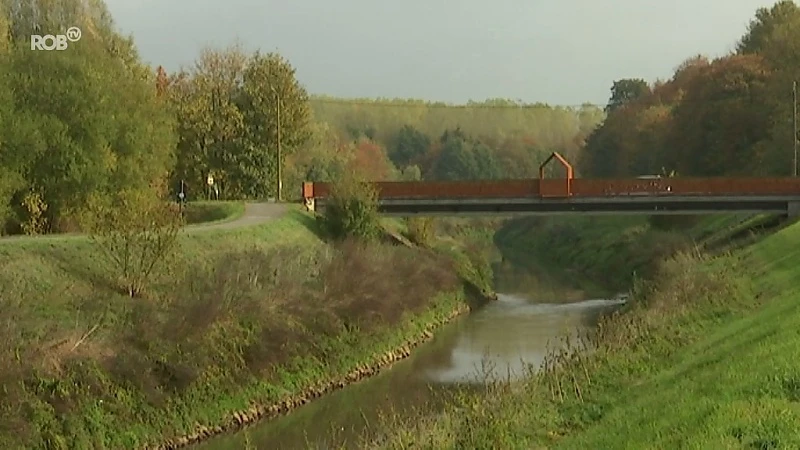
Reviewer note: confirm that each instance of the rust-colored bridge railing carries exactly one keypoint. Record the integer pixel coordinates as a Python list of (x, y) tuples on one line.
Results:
[(568, 186), (578, 188)]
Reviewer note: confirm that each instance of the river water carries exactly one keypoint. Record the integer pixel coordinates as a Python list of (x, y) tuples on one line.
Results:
[(501, 339)]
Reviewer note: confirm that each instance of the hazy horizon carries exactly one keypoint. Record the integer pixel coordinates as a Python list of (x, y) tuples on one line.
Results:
[(559, 53)]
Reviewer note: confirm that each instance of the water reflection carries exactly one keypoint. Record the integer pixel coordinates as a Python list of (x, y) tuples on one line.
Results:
[(512, 334), (504, 337)]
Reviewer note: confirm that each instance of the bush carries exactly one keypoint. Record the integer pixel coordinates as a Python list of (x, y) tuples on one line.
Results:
[(421, 230), (352, 210), (137, 232)]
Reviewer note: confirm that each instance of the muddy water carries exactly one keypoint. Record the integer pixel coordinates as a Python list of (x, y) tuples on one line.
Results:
[(501, 339)]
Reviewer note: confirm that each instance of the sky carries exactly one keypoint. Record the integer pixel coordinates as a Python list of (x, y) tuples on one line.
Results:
[(554, 51)]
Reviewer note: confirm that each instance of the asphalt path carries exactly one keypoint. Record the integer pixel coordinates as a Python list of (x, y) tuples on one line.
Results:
[(254, 214)]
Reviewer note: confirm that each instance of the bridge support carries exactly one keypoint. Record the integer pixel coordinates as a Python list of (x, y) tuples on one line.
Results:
[(793, 209)]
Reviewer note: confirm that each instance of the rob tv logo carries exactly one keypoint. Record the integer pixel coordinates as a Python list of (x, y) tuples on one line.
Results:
[(55, 42)]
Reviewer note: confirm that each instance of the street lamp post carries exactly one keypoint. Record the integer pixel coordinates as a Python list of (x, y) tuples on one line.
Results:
[(278, 132)]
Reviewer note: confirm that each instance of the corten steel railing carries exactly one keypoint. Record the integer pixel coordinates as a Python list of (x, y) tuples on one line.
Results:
[(577, 188), (569, 186)]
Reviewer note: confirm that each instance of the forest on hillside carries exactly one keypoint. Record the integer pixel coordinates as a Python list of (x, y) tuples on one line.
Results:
[(94, 122)]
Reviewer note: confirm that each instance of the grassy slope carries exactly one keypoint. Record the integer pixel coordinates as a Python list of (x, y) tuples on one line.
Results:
[(706, 358), (55, 290), (212, 212), (737, 383), (586, 247)]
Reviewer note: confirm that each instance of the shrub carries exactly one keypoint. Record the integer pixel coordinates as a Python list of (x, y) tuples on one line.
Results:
[(352, 210), (137, 232), (421, 230)]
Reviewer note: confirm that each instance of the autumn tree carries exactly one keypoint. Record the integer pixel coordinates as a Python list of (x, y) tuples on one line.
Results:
[(371, 162), (721, 120)]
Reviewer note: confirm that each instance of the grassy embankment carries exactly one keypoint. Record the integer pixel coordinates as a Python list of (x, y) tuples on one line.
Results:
[(241, 319), (705, 356)]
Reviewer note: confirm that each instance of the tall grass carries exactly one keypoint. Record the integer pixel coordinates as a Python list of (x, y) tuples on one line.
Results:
[(254, 324)]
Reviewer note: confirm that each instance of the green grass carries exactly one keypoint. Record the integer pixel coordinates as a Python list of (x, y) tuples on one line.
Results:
[(212, 212), (583, 248), (737, 384), (243, 315), (706, 357)]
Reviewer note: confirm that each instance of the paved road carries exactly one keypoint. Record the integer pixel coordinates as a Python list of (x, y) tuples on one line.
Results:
[(254, 214)]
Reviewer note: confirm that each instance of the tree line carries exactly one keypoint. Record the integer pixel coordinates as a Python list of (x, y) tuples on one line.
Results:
[(95, 125), (729, 116)]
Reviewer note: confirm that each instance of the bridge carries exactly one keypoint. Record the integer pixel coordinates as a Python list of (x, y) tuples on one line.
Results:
[(568, 195)]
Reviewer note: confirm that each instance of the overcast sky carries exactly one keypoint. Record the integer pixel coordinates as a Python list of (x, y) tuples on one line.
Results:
[(555, 51)]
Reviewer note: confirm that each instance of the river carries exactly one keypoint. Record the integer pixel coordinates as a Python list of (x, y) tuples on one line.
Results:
[(500, 339)]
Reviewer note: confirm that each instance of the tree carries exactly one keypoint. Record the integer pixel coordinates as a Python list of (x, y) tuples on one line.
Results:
[(464, 158), (778, 35), (85, 121), (371, 162), (228, 108), (625, 91), (762, 28), (276, 111), (722, 119), (210, 124), (408, 145), (324, 157), (137, 232), (11, 178), (411, 173)]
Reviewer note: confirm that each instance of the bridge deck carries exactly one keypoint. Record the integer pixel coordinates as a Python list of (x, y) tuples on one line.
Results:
[(581, 196), (572, 188)]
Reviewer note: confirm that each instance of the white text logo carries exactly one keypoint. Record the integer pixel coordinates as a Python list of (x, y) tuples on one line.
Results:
[(55, 42)]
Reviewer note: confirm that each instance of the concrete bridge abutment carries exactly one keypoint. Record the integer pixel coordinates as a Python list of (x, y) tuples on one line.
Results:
[(793, 209)]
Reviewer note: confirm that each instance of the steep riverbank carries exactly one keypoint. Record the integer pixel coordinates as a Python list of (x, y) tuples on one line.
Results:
[(709, 338), (379, 353), (249, 322)]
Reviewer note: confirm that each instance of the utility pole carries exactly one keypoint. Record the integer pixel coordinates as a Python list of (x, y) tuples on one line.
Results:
[(794, 120), (278, 132)]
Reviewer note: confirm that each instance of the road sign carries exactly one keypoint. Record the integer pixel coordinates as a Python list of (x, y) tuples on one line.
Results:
[(210, 180)]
